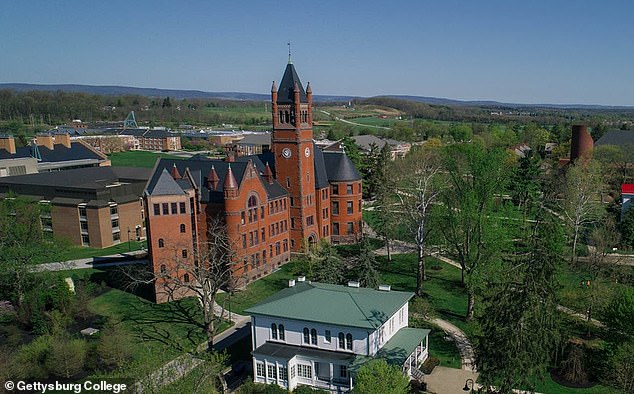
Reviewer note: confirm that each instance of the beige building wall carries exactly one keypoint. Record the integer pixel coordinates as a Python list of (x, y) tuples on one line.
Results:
[(66, 223)]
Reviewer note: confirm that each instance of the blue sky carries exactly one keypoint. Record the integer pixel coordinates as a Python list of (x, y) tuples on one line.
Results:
[(557, 51)]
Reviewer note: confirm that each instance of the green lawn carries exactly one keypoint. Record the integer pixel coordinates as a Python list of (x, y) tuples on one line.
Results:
[(549, 386), (80, 252), (259, 290), (138, 158)]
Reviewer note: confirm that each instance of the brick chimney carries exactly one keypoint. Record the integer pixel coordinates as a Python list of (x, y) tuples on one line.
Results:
[(7, 142), (63, 139), (45, 140)]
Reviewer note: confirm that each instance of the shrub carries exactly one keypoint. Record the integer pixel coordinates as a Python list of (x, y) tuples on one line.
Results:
[(66, 357), (28, 362), (429, 365), (378, 377)]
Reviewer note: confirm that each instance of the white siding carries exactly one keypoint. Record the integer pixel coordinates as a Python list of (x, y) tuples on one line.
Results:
[(294, 334)]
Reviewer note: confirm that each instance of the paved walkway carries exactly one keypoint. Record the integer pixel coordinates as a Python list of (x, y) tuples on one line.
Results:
[(462, 343), (445, 380), (128, 258)]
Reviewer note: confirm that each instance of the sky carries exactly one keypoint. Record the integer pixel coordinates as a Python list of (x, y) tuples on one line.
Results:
[(555, 52)]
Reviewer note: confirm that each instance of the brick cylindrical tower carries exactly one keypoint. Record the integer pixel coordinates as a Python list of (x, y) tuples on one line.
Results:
[(581, 144)]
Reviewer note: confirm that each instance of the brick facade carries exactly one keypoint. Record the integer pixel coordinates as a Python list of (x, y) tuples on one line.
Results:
[(271, 203)]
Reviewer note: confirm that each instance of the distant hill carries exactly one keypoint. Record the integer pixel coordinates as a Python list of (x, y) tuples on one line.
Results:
[(153, 92), (187, 94)]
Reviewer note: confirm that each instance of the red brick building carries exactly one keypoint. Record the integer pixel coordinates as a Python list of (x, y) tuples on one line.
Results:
[(273, 203)]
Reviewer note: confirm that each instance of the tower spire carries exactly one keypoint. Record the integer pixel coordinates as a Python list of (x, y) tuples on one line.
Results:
[(289, 53)]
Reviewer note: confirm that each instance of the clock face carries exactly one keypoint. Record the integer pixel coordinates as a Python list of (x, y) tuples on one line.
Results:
[(307, 152), (286, 153)]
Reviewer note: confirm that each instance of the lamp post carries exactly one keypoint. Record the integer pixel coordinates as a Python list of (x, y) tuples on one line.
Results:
[(129, 247), (468, 385)]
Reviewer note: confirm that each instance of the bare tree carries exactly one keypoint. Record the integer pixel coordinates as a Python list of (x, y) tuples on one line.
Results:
[(418, 185), (580, 205), (209, 269)]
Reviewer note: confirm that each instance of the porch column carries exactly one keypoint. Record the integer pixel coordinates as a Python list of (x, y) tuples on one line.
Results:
[(331, 375), (255, 369), (313, 372)]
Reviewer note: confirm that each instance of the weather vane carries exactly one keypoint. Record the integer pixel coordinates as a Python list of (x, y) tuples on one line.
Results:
[(289, 52)]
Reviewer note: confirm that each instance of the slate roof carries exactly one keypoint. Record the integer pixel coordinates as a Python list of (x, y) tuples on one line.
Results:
[(321, 177), (77, 151), (166, 185), (616, 137), (365, 141), (287, 86), (355, 307), (340, 168), (199, 169)]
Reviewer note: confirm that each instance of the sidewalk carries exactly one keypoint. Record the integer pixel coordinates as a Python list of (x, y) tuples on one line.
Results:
[(128, 258)]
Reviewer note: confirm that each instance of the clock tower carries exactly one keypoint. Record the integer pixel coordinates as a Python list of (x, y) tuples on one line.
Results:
[(292, 145)]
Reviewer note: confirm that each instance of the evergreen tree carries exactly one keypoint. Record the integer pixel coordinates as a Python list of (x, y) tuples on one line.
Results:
[(518, 328), (328, 266), (366, 265)]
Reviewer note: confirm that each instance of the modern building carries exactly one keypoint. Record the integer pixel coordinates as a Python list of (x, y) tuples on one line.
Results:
[(96, 206), (272, 203), (155, 140), (318, 334), (50, 152)]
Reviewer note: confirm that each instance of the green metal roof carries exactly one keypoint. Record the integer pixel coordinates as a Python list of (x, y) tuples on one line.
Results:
[(333, 304), (397, 349)]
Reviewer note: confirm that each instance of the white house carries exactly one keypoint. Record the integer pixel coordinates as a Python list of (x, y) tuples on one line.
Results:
[(318, 334)]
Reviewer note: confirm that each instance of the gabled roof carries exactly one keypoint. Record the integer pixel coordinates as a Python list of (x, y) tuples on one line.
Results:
[(287, 86), (333, 304), (340, 168), (165, 185)]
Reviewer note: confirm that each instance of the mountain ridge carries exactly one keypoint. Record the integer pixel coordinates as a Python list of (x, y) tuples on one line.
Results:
[(116, 90)]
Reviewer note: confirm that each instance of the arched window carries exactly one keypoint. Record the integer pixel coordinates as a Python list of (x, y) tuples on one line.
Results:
[(186, 278), (274, 331), (163, 269), (161, 243), (342, 341), (306, 338), (287, 117), (349, 341), (313, 336), (281, 117), (253, 202), (182, 228), (281, 331)]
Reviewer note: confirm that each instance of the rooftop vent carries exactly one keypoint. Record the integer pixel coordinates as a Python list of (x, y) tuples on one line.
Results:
[(385, 287), (291, 283), (353, 283), (301, 279)]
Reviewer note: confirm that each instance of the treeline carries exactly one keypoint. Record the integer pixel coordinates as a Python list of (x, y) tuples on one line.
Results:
[(40, 109), (468, 113)]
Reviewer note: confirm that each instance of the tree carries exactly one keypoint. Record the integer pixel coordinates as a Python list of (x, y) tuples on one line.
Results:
[(327, 265), (211, 268), (378, 377), (525, 185), (619, 313), (627, 228), (418, 186), (580, 206), (66, 357), (518, 328), (366, 265), (384, 204), (474, 224), (22, 245), (115, 345), (622, 367)]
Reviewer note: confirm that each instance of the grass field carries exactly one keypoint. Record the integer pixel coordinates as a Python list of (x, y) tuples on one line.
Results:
[(138, 158)]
